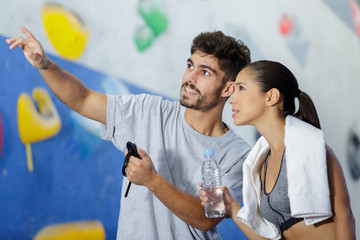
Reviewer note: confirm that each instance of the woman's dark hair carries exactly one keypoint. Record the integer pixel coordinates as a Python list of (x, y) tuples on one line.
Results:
[(270, 75), (232, 54)]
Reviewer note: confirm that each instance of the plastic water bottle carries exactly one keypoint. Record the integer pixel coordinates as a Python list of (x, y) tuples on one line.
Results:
[(210, 170)]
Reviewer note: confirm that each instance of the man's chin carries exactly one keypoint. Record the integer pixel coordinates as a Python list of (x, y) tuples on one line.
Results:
[(184, 101), (187, 105), (184, 104)]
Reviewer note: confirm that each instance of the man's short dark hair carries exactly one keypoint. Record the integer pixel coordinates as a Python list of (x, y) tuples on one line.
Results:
[(232, 54)]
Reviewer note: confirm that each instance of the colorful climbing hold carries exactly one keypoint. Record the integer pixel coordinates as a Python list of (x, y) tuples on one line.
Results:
[(155, 23), (144, 38), (355, 13), (36, 124), (153, 15), (286, 25), (65, 30), (80, 230)]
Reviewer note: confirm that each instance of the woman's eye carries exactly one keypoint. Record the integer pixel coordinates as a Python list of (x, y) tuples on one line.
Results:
[(241, 88)]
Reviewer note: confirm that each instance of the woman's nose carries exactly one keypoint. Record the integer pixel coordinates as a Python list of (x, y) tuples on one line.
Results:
[(231, 99)]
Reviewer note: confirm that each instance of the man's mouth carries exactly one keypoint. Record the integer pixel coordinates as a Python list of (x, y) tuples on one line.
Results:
[(190, 91)]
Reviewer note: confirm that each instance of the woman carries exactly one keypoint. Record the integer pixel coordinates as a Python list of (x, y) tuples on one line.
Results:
[(293, 186)]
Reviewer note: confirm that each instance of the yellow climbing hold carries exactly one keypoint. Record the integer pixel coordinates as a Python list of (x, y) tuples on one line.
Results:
[(65, 30), (80, 230), (36, 124)]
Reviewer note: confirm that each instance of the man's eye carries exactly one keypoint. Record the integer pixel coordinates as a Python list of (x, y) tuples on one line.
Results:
[(190, 66), (206, 73)]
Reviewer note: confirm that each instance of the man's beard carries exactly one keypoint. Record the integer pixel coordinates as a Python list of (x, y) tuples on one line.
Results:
[(204, 102)]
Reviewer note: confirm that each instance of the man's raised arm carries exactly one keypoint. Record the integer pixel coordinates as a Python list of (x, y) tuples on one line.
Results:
[(68, 88)]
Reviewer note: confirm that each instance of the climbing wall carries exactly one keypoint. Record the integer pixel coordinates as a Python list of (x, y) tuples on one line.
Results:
[(54, 167)]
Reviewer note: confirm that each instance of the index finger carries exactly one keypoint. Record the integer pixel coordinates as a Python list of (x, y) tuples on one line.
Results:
[(27, 33)]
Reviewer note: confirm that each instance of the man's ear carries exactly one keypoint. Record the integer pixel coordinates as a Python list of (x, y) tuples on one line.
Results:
[(273, 97), (228, 89)]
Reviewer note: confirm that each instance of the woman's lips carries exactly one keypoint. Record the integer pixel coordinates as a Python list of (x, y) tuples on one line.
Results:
[(234, 112)]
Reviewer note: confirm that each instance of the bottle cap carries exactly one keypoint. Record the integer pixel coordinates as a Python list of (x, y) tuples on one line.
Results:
[(208, 152)]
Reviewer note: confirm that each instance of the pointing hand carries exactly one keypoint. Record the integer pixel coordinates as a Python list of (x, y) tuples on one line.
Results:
[(31, 48)]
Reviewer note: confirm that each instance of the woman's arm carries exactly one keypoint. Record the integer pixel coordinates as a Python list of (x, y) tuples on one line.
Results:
[(232, 208), (340, 200)]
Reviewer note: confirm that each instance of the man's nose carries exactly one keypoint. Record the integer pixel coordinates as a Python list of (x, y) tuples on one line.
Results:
[(192, 77)]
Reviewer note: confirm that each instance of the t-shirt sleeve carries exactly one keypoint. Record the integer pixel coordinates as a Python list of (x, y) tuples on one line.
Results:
[(131, 118), (107, 130)]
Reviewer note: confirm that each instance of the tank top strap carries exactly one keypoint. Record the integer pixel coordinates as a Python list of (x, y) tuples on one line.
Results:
[(265, 168)]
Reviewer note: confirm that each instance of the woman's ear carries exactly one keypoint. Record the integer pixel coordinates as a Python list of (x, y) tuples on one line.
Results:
[(273, 97), (228, 89)]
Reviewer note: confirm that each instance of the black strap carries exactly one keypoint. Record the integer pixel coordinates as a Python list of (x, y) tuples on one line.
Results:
[(265, 169), (126, 162), (290, 222), (132, 151)]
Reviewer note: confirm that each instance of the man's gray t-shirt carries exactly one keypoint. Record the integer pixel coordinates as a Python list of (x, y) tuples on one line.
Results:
[(158, 126)]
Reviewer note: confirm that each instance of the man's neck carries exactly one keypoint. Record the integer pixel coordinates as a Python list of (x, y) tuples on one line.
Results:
[(207, 123)]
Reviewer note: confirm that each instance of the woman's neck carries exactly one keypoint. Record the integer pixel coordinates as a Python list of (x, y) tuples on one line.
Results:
[(273, 130)]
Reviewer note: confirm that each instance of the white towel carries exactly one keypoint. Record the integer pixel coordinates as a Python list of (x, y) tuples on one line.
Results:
[(250, 213), (308, 186)]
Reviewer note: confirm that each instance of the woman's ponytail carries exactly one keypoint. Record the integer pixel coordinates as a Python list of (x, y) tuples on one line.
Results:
[(307, 111)]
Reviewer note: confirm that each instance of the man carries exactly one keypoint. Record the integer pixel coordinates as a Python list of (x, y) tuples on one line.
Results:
[(163, 203)]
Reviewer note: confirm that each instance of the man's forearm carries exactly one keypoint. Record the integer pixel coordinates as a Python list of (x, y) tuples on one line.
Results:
[(68, 88), (185, 206), (73, 93)]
